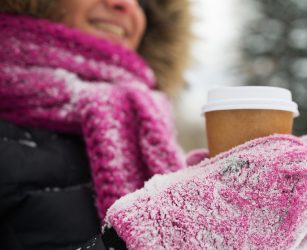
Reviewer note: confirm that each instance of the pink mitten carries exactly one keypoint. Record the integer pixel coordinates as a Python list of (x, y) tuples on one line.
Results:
[(251, 197), (196, 156)]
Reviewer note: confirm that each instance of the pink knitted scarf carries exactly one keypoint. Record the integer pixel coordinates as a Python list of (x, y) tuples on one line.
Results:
[(251, 197), (55, 77)]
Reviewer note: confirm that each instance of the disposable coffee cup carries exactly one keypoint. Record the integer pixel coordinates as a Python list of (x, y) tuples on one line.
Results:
[(234, 115)]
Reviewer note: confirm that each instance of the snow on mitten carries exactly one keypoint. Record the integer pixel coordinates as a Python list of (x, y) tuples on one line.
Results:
[(251, 197)]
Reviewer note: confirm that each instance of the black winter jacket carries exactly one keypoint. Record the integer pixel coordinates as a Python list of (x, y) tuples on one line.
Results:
[(46, 196)]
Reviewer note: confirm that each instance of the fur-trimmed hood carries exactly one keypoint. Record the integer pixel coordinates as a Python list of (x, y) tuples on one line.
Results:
[(166, 42)]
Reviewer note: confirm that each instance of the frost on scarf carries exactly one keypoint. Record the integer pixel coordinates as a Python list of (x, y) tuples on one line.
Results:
[(58, 78), (251, 197)]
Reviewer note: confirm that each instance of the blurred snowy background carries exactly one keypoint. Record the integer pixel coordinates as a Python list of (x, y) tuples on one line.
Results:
[(250, 42)]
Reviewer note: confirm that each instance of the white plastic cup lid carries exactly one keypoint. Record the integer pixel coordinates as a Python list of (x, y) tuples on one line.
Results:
[(250, 97)]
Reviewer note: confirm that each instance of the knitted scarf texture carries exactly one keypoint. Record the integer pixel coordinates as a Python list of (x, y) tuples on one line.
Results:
[(251, 197), (58, 78)]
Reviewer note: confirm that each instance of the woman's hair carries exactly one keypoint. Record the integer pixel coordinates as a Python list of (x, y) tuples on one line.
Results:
[(165, 45)]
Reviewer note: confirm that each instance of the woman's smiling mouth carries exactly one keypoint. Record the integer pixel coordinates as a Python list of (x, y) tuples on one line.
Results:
[(109, 28), (120, 21)]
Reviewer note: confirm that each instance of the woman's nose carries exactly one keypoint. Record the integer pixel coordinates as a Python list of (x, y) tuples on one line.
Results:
[(122, 5)]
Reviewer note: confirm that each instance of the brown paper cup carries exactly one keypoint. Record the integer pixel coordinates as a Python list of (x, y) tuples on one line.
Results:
[(229, 128), (234, 115)]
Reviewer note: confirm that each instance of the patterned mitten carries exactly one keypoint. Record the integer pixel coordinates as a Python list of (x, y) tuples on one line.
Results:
[(251, 197), (196, 156)]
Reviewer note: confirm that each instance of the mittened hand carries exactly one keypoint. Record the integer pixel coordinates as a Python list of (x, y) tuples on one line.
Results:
[(251, 197), (196, 156)]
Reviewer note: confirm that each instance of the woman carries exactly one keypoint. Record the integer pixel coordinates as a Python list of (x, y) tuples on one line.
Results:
[(77, 104), (59, 86)]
